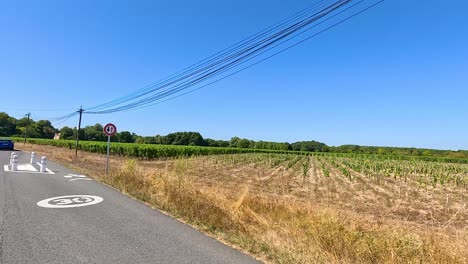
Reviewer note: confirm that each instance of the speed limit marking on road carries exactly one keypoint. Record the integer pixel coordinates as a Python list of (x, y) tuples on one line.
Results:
[(70, 201), (110, 129)]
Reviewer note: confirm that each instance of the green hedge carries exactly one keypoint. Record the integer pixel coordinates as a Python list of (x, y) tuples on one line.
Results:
[(149, 151)]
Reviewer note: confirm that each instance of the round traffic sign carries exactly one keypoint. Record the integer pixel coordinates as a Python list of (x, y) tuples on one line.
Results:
[(110, 129)]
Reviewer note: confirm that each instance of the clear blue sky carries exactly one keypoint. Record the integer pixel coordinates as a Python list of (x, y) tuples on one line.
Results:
[(394, 76)]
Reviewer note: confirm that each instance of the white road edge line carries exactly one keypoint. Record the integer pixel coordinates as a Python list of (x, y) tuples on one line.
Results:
[(81, 179)]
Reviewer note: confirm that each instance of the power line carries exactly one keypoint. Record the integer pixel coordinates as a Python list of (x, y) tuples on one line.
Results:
[(35, 110), (258, 62), (219, 66), (65, 119), (193, 68), (253, 46), (232, 57), (60, 118), (242, 57)]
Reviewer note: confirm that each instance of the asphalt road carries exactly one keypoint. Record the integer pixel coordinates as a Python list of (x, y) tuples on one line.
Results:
[(115, 230)]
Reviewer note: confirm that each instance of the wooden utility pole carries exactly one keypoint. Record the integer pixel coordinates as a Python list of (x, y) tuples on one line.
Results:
[(26, 129), (78, 131)]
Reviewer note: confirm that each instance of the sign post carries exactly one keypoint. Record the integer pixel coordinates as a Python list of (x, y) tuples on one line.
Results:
[(109, 130)]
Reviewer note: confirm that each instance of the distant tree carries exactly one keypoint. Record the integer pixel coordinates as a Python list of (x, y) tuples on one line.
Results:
[(313, 146), (216, 143), (196, 139), (234, 142), (140, 140), (91, 134), (244, 143), (23, 122), (181, 138), (7, 125), (150, 140), (272, 145), (66, 133), (210, 142), (24, 125), (458, 154), (45, 129), (126, 137), (158, 139), (100, 135), (82, 134), (427, 153), (222, 143)]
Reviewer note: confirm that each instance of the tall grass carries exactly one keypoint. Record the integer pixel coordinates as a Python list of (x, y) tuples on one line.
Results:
[(279, 229)]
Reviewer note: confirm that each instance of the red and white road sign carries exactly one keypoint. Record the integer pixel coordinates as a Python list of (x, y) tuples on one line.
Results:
[(110, 129)]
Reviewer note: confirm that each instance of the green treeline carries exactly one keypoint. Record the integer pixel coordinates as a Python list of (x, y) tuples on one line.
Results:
[(12, 127), (395, 151), (196, 139)]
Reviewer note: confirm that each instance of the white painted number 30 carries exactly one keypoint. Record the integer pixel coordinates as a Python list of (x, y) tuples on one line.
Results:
[(70, 201), (76, 200)]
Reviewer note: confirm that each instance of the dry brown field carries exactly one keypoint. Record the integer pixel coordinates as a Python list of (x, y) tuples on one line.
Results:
[(284, 208)]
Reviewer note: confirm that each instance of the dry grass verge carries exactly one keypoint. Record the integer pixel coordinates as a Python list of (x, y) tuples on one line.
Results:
[(274, 226)]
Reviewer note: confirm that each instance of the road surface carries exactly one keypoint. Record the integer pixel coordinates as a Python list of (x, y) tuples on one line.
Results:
[(91, 224)]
